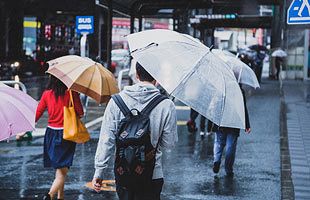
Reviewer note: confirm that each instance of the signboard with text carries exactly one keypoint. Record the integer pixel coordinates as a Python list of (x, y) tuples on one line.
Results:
[(84, 24)]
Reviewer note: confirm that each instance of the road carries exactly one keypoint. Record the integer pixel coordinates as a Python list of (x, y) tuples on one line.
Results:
[(187, 168)]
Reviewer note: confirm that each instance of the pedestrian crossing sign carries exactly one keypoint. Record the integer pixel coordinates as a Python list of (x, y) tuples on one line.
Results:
[(299, 12)]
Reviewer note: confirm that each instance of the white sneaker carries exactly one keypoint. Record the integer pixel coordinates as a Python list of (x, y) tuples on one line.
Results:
[(202, 133), (209, 133)]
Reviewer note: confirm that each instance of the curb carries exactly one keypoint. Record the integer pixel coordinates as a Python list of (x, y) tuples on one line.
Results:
[(287, 187)]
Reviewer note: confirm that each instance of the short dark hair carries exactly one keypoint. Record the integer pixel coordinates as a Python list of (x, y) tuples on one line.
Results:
[(143, 74)]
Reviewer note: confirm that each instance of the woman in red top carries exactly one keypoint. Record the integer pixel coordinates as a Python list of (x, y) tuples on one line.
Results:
[(58, 153)]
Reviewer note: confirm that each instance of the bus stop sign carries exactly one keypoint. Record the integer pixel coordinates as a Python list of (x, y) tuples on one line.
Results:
[(299, 12), (84, 24)]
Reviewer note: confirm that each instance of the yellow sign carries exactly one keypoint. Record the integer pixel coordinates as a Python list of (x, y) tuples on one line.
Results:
[(32, 24), (107, 185)]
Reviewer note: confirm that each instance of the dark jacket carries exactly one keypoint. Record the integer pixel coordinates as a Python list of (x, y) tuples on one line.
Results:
[(214, 128)]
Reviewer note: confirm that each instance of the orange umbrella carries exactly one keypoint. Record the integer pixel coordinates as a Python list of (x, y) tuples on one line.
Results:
[(85, 76)]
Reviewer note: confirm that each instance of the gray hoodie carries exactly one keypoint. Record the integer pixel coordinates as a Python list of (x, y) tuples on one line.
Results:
[(162, 119)]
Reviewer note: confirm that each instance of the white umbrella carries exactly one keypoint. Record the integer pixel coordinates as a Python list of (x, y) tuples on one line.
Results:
[(243, 73), (187, 70), (279, 53)]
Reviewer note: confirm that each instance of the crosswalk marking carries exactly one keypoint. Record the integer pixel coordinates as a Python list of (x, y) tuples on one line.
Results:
[(182, 107), (181, 123)]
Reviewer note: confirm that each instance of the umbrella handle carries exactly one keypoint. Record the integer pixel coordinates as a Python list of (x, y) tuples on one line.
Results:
[(211, 47)]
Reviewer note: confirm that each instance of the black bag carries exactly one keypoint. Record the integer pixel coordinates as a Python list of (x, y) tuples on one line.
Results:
[(135, 155)]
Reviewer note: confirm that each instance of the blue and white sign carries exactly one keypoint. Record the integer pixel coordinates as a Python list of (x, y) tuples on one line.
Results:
[(84, 24), (299, 12)]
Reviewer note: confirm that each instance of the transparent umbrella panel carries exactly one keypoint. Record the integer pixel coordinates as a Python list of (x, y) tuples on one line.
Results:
[(243, 73), (196, 77), (214, 93), (170, 62)]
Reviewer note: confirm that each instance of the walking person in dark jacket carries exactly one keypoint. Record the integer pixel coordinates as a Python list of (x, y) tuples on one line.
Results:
[(227, 136)]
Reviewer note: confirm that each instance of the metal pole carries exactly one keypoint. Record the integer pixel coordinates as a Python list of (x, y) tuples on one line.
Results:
[(109, 33), (132, 23), (174, 24), (245, 36), (83, 44), (306, 54), (140, 23), (100, 23), (107, 7), (202, 35)]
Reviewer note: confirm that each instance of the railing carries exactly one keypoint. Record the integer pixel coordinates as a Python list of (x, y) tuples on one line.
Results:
[(22, 86), (121, 74)]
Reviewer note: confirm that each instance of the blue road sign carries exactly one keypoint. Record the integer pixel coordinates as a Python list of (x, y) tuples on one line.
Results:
[(299, 12), (84, 24)]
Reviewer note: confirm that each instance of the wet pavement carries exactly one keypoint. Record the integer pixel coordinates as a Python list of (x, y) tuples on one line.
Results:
[(297, 101), (187, 168)]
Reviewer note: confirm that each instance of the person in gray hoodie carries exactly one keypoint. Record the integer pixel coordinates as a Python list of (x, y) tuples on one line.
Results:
[(163, 122)]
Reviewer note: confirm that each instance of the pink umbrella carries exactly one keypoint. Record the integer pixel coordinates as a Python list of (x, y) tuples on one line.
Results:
[(17, 112)]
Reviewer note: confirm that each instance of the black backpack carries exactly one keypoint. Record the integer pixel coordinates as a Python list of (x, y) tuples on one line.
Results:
[(135, 155)]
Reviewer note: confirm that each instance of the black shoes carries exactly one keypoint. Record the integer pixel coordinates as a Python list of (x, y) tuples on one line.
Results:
[(47, 197), (216, 167), (230, 175), (191, 126)]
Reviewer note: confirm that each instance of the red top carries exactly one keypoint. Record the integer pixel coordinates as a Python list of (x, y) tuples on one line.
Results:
[(55, 108)]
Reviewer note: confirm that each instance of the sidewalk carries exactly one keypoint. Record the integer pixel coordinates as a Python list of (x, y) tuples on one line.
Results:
[(297, 103)]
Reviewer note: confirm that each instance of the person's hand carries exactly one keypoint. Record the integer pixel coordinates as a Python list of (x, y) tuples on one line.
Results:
[(248, 130), (97, 183)]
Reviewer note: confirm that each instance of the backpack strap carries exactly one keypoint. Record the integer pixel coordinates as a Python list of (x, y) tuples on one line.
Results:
[(149, 107), (121, 104), (154, 102)]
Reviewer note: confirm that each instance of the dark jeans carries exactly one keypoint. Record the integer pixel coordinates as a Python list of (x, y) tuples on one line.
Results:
[(193, 115), (152, 193), (230, 141)]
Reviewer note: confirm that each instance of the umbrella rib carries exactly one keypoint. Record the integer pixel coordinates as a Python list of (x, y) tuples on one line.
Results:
[(4, 117), (224, 101), (107, 82), (92, 76)]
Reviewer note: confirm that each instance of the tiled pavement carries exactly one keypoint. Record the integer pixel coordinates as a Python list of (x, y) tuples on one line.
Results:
[(296, 94)]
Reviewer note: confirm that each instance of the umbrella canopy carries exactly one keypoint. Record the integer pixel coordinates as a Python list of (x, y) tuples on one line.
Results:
[(279, 53), (84, 75), (17, 112), (243, 73), (187, 70)]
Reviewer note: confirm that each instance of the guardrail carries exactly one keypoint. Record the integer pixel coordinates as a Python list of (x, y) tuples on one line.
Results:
[(22, 86), (121, 74)]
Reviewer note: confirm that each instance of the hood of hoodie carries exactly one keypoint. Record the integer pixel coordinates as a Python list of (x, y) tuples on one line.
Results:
[(140, 93)]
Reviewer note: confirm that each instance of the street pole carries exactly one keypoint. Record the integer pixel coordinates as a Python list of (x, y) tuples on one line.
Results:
[(109, 34), (83, 44), (306, 55), (132, 23), (245, 36), (140, 23)]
